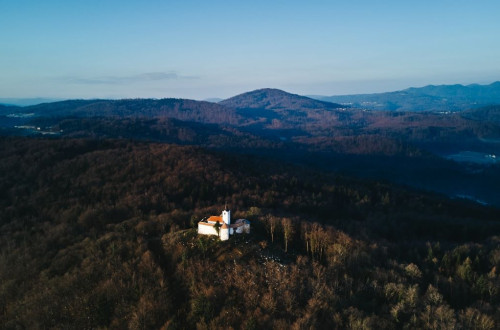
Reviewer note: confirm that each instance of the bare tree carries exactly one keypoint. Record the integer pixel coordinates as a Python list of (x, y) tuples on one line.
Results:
[(288, 231), (271, 223)]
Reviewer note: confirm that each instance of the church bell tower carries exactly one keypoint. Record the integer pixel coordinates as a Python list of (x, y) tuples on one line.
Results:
[(226, 216)]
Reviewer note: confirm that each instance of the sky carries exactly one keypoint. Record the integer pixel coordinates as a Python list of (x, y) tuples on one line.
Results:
[(68, 49)]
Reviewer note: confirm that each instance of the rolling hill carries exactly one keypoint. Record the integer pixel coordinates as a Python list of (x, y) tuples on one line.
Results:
[(404, 147), (429, 98), (489, 114), (198, 111), (275, 99)]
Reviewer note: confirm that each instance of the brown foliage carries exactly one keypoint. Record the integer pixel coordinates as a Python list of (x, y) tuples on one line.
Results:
[(97, 234)]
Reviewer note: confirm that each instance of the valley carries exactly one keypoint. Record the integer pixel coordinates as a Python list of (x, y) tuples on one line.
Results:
[(358, 217), (381, 145)]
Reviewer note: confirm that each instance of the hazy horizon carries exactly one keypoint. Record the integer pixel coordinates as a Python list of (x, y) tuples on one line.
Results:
[(198, 50), (38, 100)]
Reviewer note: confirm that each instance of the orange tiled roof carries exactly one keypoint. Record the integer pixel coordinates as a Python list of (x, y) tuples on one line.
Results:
[(215, 218), (224, 226)]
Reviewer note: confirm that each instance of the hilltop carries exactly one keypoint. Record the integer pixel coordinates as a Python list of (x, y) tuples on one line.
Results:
[(275, 99)]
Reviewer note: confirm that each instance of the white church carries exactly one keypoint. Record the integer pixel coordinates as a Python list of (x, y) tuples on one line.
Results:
[(221, 226)]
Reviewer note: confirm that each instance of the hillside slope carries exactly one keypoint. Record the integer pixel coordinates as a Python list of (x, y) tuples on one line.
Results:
[(490, 114), (428, 98), (382, 145), (100, 234), (182, 109)]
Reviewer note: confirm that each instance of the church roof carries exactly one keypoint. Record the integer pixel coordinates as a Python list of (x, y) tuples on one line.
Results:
[(215, 218)]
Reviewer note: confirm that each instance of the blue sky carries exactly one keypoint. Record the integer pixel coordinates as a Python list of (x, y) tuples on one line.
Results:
[(203, 49)]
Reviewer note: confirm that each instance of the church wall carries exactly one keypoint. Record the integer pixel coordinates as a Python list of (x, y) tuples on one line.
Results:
[(206, 230), (246, 229), (224, 234)]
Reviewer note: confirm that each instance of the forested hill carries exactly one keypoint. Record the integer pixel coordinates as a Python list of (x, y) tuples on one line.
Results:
[(8, 109), (182, 109), (274, 99), (289, 109), (428, 98), (298, 129), (100, 233), (489, 114)]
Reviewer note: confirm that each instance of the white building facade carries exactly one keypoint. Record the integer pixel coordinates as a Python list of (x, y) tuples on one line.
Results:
[(221, 226)]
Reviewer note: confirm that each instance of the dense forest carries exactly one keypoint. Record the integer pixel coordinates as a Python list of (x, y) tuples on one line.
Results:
[(100, 233), (399, 153)]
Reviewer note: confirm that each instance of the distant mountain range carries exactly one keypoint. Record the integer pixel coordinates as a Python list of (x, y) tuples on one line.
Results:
[(428, 98), (393, 145), (269, 110), (25, 102), (441, 98)]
